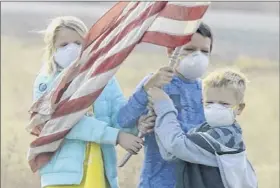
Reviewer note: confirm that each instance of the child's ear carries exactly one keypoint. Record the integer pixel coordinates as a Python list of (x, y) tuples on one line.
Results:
[(240, 108)]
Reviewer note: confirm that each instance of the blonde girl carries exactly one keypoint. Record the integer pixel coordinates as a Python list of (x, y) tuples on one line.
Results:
[(87, 158)]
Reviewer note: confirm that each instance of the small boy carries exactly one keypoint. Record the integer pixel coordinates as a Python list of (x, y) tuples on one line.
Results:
[(211, 155)]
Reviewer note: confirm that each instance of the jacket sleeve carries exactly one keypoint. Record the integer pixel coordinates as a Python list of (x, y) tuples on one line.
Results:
[(135, 107), (172, 140), (88, 128), (117, 102)]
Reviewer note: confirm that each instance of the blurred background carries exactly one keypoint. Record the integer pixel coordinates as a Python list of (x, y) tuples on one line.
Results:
[(246, 36)]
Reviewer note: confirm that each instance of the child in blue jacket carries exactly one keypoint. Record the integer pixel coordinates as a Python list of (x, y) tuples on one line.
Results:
[(183, 85)]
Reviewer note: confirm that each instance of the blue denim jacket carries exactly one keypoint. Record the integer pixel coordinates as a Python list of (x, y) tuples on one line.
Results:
[(187, 98), (66, 166)]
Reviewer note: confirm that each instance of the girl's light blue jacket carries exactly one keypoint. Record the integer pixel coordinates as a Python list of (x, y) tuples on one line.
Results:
[(66, 167)]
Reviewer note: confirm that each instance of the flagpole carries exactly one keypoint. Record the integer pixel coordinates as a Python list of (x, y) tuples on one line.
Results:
[(172, 62)]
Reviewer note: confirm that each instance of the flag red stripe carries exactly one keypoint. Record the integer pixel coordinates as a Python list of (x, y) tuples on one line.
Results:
[(152, 10), (49, 138), (100, 40), (65, 82), (37, 104), (33, 114), (37, 129), (164, 39), (58, 106), (75, 105), (61, 103), (104, 22), (60, 93), (40, 160), (181, 13), (112, 28), (114, 60)]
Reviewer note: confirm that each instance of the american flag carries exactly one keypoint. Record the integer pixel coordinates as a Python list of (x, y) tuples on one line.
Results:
[(107, 45)]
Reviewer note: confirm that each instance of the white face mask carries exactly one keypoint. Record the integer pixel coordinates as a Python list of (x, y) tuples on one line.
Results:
[(219, 115), (64, 56), (193, 65)]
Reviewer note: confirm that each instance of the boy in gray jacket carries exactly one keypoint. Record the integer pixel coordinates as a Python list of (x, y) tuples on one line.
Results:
[(213, 154)]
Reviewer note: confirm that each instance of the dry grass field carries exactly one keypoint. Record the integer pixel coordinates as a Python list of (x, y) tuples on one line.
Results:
[(21, 61)]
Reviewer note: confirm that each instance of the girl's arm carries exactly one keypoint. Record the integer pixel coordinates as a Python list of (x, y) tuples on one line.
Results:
[(88, 128)]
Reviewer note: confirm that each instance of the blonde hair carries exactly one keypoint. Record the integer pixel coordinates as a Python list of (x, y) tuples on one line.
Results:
[(227, 78), (50, 38)]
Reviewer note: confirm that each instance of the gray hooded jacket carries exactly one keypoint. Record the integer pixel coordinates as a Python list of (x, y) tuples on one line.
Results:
[(207, 157)]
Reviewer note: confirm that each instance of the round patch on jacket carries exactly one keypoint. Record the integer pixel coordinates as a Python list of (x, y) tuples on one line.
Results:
[(42, 87)]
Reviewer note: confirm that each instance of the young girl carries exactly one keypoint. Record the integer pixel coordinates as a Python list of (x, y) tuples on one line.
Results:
[(87, 157)]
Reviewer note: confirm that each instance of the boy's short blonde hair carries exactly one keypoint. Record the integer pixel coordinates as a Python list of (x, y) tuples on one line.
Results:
[(227, 78), (51, 33)]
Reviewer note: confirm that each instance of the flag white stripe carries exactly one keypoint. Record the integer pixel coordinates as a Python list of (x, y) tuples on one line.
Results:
[(87, 53), (65, 122), (134, 14), (51, 147), (91, 84), (174, 27), (79, 80), (38, 119), (127, 8)]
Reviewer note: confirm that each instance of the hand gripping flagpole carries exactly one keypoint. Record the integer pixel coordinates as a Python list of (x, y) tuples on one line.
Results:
[(172, 62)]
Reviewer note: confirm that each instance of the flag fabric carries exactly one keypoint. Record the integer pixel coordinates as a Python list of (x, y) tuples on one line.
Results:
[(107, 45)]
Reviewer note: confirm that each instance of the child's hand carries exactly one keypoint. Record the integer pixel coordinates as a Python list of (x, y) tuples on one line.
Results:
[(146, 123), (162, 77), (129, 142), (156, 95)]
